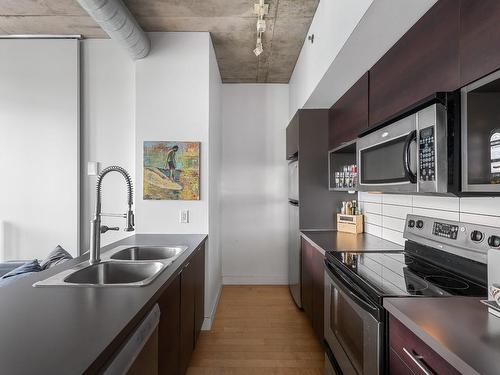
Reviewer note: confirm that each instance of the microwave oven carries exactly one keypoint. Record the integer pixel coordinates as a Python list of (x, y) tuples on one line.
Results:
[(415, 152)]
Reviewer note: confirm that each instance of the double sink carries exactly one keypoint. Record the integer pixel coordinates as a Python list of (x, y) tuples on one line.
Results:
[(121, 266)]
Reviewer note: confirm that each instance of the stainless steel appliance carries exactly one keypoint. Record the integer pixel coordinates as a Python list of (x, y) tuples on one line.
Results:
[(294, 253), (415, 152), (480, 119), (441, 258)]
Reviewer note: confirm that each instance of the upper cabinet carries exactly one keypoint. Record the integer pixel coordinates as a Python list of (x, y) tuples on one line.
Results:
[(348, 117), (479, 39), (423, 61)]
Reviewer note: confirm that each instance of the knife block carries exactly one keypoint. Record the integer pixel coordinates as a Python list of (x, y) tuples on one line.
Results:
[(350, 223)]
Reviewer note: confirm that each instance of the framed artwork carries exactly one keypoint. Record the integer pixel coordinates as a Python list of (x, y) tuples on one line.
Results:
[(171, 170)]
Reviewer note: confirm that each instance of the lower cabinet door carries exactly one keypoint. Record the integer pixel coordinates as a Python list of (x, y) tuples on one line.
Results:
[(199, 295), (318, 276), (168, 330), (188, 287), (307, 279)]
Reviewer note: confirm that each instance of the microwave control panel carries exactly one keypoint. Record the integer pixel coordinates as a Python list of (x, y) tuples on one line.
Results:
[(426, 154)]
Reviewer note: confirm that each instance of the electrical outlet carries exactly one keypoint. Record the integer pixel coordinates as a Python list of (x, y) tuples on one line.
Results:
[(184, 216)]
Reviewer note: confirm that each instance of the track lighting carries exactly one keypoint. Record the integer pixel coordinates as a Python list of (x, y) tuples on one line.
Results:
[(261, 9)]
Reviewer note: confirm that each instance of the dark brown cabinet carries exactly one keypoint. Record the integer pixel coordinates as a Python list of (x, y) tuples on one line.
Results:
[(410, 355), (348, 117), (168, 330), (313, 287), (479, 39), (182, 314), (423, 61)]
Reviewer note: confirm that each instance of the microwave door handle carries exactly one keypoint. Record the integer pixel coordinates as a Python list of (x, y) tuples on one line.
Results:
[(406, 156)]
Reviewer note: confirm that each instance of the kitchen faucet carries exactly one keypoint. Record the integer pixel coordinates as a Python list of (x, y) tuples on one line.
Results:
[(95, 224)]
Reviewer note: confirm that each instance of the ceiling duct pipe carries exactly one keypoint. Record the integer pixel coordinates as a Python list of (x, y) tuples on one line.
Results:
[(115, 18)]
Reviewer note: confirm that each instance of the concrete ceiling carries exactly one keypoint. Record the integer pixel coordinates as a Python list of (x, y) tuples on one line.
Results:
[(230, 22)]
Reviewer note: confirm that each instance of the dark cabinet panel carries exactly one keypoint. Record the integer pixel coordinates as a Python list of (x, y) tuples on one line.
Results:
[(313, 287), (318, 294), (187, 311), (411, 350), (307, 279), (479, 39), (423, 61), (199, 295), (292, 136), (348, 117), (168, 330)]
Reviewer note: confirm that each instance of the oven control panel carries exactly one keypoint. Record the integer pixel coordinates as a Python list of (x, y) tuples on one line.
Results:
[(445, 230), (426, 154)]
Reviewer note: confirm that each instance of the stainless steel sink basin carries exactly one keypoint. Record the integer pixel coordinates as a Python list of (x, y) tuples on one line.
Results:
[(115, 273), (106, 274), (149, 253)]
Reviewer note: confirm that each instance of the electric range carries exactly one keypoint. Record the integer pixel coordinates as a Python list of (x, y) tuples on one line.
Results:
[(441, 258)]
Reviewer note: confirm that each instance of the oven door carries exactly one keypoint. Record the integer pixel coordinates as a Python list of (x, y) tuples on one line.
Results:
[(353, 326), (387, 158)]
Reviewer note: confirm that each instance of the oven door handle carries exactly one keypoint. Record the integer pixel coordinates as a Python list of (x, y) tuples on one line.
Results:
[(355, 294), (406, 156)]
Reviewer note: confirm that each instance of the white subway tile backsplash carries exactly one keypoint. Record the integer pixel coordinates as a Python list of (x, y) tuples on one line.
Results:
[(438, 203), (438, 214), (373, 218), (373, 229), (481, 205), (370, 197), (396, 211), (393, 223), (386, 213), (374, 208), (393, 236), (397, 199), (493, 221)]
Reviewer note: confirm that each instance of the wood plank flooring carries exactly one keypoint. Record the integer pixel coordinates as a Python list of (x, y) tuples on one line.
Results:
[(257, 330)]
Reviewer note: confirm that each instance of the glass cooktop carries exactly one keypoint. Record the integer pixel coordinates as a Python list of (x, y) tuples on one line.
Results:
[(402, 274)]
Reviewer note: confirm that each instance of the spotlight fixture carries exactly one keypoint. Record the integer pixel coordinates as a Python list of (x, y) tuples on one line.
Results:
[(261, 9)]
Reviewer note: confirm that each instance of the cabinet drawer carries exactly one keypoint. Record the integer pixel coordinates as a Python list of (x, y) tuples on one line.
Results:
[(397, 366), (415, 354)]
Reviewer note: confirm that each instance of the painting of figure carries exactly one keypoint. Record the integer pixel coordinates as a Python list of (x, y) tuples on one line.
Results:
[(171, 170)]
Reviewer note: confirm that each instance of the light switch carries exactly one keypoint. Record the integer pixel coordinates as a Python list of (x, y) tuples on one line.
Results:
[(92, 168), (184, 216)]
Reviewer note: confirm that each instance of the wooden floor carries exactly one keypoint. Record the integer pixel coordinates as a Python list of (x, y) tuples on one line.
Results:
[(258, 330)]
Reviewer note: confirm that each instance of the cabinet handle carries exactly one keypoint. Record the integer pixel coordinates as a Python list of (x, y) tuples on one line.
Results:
[(417, 359), (187, 265)]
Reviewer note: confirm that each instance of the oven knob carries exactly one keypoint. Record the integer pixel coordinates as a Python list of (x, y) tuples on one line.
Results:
[(494, 241), (476, 236), (420, 224), (411, 223)]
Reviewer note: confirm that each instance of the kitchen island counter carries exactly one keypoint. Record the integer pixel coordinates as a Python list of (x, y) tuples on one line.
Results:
[(75, 330)]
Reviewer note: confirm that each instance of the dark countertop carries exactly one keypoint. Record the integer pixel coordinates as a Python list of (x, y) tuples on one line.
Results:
[(332, 240), (459, 329), (72, 330)]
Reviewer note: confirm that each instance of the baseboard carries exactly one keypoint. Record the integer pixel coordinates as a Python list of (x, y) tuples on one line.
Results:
[(207, 322), (255, 280)]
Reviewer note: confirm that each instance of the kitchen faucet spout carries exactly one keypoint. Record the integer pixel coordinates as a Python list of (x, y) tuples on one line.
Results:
[(95, 224)]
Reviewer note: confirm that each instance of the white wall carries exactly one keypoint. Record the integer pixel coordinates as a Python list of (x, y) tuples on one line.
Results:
[(385, 214), (254, 184), (214, 255), (39, 149), (108, 133), (177, 98), (333, 22), (172, 99)]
